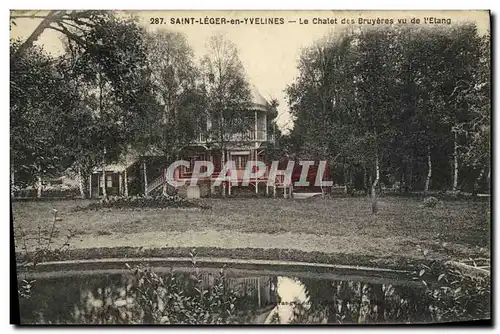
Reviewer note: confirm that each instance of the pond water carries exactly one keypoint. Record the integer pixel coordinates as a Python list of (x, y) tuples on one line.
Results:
[(187, 295)]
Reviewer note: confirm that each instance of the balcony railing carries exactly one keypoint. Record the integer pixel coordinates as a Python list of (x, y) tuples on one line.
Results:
[(259, 135)]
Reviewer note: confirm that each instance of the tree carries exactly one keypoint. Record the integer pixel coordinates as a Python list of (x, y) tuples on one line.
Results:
[(175, 80), (70, 23), (385, 101), (227, 92), (39, 126), (177, 101), (323, 102), (112, 65), (101, 88)]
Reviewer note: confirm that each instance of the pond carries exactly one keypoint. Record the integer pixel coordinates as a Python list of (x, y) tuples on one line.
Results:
[(210, 295)]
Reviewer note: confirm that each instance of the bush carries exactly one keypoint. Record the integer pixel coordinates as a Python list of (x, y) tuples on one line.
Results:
[(164, 299), (48, 193), (453, 296), (139, 202), (431, 202)]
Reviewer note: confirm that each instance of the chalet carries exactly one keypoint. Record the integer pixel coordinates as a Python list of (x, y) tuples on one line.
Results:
[(145, 174)]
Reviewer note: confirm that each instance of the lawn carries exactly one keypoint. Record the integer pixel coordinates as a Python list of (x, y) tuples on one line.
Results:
[(403, 227)]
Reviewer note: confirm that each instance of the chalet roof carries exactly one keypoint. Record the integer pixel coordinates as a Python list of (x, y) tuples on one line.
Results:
[(259, 102), (125, 161)]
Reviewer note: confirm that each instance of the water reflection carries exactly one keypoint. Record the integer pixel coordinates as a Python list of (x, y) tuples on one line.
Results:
[(254, 298)]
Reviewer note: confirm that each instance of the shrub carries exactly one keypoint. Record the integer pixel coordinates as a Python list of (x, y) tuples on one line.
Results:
[(141, 202), (38, 249), (431, 202), (163, 299), (453, 296)]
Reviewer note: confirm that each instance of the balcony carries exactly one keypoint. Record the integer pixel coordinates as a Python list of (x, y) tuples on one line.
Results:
[(249, 136)]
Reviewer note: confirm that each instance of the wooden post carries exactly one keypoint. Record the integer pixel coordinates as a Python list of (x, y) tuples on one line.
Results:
[(255, 136), (145, 171), (256, 180), (125, 182), (265, 127), (104, 190), (90, 185), (258, 291), (120, 180)]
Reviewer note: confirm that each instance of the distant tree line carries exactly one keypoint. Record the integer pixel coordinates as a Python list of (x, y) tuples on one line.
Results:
[(396, 105)]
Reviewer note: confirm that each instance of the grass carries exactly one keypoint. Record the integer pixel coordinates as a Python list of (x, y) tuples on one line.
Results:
[(458, 229)]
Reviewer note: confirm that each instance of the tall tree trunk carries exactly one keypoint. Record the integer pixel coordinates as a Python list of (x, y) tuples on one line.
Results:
[(104, 190), (80, 183), (223, 162), (402, 178), (39, 187), (351, 181), (365, 184), (488, 179), (429, 171), (379, 301), (165, 183), (125, 182), (374, 186), (39, 184), (12, 183), (90, 185), (346, 176), (475, 186), (409, 175), (145, 172), (455, 162)]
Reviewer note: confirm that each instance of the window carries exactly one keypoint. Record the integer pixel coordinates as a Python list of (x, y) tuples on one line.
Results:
[(240, 161), (109, 181)]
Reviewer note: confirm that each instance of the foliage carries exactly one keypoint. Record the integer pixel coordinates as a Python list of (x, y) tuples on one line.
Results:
[(155, 298), (445, 294), (40, 246), (143, 202), (226, 90), (69, 23), (81, 108), (430, 202), (395, 97), (55, 192), (38, 101), (36, 249), (111, 71), (172, 120), (452, 294)]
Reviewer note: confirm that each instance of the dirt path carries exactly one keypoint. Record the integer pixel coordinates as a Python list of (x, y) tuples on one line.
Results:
[(372, 246)]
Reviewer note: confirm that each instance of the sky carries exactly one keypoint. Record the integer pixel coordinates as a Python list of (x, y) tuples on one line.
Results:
[(269, 52)]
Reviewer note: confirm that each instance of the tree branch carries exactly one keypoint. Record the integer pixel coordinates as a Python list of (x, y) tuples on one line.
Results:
[(35, 34)]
